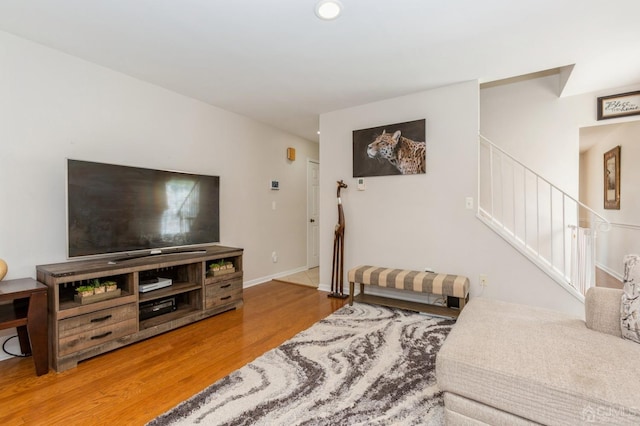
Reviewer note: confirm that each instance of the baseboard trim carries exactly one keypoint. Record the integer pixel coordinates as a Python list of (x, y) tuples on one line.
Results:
[(268, 278)]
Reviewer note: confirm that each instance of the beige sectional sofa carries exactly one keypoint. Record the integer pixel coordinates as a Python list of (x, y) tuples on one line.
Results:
[(508, 364)]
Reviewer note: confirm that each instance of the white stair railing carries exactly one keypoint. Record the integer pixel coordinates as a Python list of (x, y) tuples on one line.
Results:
[(538, 218)]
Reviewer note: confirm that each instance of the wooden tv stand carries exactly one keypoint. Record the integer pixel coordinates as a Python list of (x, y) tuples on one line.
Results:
[(78, 331)]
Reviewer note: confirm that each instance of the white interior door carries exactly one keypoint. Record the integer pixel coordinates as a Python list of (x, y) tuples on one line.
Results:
[(313, 214)]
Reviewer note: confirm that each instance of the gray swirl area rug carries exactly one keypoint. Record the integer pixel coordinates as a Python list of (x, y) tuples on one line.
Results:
[(362, 365)]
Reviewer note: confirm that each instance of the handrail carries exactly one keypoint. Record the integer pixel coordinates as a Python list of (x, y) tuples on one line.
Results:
[(625, 225), (589, 209), (532, 222)]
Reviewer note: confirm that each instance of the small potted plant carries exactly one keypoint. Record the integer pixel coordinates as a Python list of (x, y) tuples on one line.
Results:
[(214, 267), (98, 288), (228, 265), (110, 285), (84, 290)]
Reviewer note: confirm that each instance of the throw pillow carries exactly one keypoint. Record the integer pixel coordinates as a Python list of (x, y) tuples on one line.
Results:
[(630, 307)]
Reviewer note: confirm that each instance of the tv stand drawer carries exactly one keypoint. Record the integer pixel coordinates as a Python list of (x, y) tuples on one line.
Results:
[(91, 321), (96, 336), (223, 293)]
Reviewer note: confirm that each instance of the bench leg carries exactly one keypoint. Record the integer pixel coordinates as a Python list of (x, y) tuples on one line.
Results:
[(462, 301), (451, 302), (352, 291)]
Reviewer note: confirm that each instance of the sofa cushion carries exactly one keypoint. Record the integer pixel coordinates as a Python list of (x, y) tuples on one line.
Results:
[(630, 317), (541, 365), (630, 306), (602, 310)]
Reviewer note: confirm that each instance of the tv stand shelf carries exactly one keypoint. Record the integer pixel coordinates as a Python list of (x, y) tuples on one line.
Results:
[(160, 320), (175, 288), (72, 308), (80, 331)]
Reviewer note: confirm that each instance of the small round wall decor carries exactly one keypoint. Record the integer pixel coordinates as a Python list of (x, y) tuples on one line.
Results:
[(3, 269)]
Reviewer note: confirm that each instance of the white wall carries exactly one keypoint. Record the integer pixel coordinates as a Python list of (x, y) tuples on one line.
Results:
[(420, 221), (530, 121), (624, 236), (54, 106)]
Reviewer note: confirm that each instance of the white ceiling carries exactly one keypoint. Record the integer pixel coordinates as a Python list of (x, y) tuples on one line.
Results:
[(276, 62)]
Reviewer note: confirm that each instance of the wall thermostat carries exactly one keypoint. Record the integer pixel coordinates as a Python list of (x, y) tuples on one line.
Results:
[(275, 185)]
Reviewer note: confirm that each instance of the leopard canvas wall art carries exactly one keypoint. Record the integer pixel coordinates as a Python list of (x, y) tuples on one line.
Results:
[(393, 149)]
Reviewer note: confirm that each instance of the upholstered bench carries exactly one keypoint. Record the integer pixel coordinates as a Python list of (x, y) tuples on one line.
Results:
[(453, 288)]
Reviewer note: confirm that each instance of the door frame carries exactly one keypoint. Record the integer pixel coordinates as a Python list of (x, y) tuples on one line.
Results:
[(309, 162)]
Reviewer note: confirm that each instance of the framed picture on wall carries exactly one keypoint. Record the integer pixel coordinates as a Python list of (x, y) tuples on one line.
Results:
[(612, 179), (392, 149), (621, 105)]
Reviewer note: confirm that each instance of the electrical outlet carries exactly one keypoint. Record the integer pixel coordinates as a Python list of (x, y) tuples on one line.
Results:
[(484, 280), (468, 203), (274, 257)]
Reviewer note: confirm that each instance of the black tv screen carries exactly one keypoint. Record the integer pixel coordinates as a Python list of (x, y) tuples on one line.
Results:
[(122, 209)]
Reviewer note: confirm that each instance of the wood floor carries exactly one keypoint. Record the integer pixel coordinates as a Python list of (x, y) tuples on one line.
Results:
[(133, 385)]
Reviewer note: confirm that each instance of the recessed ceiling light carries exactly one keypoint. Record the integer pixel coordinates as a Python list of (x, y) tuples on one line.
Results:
[(328, 9)]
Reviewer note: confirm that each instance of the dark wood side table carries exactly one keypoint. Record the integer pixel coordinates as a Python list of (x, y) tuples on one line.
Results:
[(27, 313)]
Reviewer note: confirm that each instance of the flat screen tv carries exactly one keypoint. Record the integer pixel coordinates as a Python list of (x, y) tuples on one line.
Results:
[(121, 209)]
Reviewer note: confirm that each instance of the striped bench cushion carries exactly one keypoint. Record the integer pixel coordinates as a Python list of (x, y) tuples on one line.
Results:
[(403, 279)]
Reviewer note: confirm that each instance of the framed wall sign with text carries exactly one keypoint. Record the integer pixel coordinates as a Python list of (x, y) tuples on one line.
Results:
[(621, 105)]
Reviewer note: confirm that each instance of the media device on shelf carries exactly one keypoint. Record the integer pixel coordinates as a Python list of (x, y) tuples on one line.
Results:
[(134, 211), (154, 284), (157, 307)]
